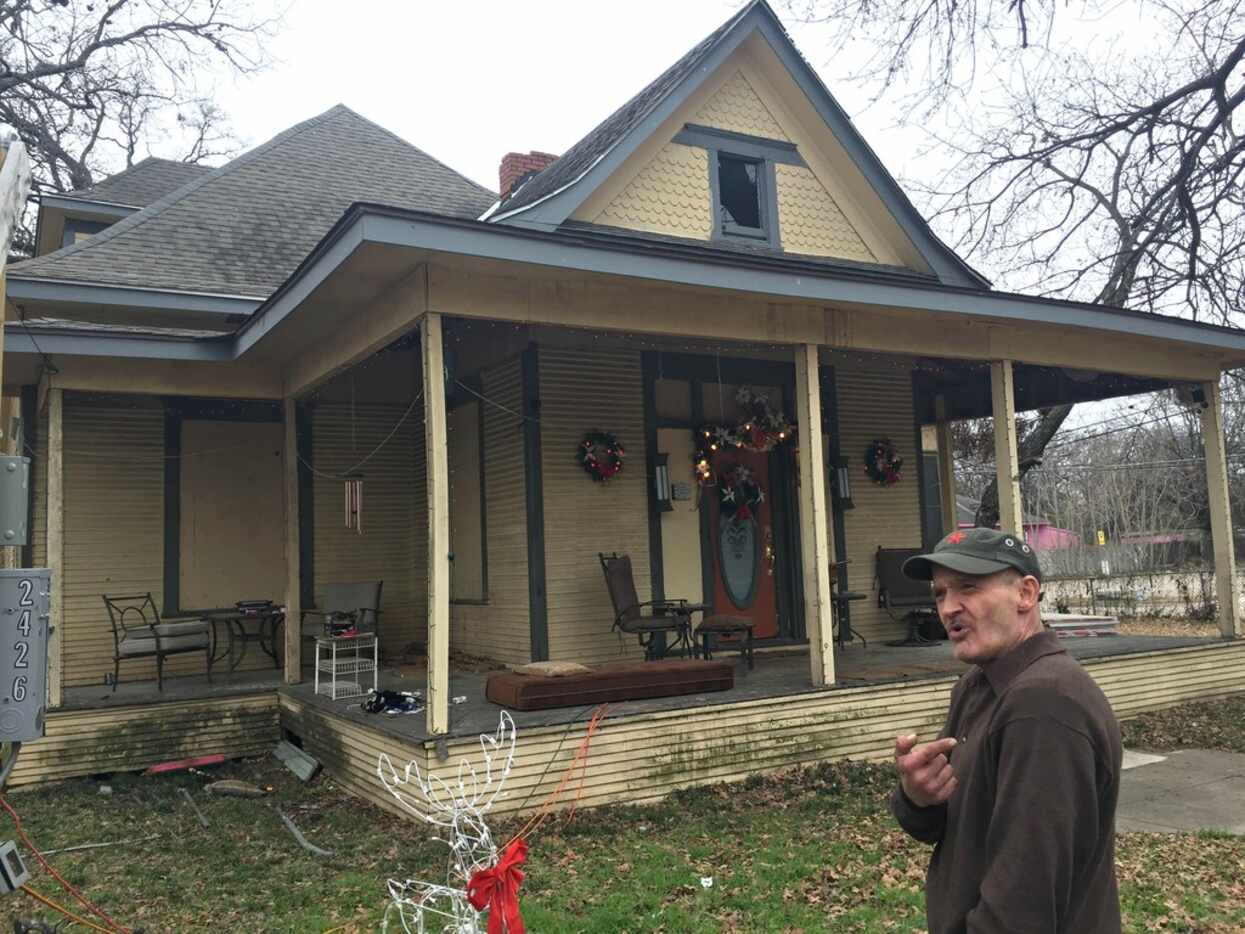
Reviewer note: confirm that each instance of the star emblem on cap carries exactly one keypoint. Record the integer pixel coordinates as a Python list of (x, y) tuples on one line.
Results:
[(955, 538)]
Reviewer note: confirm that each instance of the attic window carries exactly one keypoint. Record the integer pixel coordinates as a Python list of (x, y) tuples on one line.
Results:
[(741, 196)]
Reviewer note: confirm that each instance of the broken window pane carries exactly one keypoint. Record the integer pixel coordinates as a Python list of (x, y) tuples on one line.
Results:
[(739, 191)]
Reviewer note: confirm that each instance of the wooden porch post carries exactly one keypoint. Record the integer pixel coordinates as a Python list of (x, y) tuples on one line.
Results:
[(1006, 460), (1220, 512), (437, 456), (946, 468), (817, 545), (56, 543), (293, 550)]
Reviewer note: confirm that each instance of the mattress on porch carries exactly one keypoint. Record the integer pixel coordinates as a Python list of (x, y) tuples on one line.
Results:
[(616, 681)]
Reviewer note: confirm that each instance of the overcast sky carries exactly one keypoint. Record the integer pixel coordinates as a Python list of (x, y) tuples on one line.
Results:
[(468, 82)]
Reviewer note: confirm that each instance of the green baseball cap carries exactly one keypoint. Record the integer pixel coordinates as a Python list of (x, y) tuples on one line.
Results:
[(976, 551)]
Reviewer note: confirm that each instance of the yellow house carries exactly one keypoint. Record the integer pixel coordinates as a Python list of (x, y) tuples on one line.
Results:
[(334, 359)]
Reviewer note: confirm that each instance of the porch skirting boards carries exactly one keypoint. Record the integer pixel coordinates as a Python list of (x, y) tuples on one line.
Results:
[(643, 757), (126, 739), (635, 757)]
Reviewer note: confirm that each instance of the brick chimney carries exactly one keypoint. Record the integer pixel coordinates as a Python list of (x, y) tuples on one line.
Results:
[(516, 165)]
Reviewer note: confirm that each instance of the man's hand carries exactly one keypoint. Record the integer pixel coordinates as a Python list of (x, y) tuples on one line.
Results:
[(924, 771)]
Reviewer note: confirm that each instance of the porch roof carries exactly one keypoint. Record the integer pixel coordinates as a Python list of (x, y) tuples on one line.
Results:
[(389, 243)]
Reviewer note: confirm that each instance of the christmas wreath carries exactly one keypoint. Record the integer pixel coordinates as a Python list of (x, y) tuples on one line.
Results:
[(601, 455), (762, 428), (739, 494), (883, 465)]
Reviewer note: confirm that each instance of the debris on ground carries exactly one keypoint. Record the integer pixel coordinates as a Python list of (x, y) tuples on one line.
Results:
[(298, 835), (232, 788), (180, 765), (194, 807), (98, 846), (302, 764)]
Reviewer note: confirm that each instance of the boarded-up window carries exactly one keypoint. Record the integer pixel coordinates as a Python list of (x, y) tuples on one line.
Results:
[(232, 513), (467, 571)]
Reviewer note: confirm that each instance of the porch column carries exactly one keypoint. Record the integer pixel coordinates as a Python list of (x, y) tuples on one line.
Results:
[(816, 544), (438, 471), (946, 467), (1006, 460), (56, 544), (1220, 512), (293, 550)]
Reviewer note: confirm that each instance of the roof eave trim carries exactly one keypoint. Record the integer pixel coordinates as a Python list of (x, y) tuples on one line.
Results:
[(431, 234), (102, 344), (86, 293), (92, 207)]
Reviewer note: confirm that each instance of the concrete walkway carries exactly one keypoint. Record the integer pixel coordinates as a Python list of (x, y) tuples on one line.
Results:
[(1195, 789)]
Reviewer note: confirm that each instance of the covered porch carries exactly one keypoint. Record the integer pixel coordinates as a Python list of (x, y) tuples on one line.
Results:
[(458, 391)]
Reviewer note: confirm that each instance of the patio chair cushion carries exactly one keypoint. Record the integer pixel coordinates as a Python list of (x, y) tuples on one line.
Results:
[(618, 681), (174, 637)]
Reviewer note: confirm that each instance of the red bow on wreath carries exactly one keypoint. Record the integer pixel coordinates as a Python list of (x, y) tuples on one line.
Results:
[(497, 889)]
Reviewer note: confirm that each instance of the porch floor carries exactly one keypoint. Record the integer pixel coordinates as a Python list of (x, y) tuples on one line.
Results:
[(776, 674)]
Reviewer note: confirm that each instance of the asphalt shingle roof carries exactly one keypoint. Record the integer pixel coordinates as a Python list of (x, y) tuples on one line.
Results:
[(142, 183), (580, 158), (242, 229)]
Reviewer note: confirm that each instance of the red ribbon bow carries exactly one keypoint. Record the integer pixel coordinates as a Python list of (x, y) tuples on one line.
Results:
[(497, 889)]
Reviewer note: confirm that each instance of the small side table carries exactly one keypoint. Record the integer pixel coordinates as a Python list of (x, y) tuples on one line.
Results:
[(711, 630), (352, 656)]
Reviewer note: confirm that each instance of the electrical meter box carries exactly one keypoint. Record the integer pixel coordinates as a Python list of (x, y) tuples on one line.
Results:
[(14, 500), (25, 601)]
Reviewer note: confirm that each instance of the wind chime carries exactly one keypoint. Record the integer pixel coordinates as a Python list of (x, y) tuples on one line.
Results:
[(354, 480), (354, 502)]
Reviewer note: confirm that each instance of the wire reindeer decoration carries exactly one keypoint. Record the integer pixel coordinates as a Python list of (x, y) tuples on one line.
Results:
[(457, 807)]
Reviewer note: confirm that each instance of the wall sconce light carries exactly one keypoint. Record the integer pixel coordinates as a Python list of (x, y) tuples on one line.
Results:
[(661, 483), (842, 485)]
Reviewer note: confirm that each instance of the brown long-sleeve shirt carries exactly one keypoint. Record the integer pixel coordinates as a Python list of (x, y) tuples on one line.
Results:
[(1026, 843)]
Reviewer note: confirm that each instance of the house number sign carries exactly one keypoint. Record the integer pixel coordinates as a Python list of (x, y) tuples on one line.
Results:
[(25, 595)]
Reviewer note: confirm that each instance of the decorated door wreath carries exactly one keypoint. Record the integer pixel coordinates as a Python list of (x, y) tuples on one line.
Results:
[(601, 455), (883, 465)]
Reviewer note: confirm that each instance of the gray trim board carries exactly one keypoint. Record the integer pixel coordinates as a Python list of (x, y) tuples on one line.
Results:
[(85, 206), (87, 293), (538, 599), (85, 343), (656, 556), (830, 424), (740, 144), (172, 511), (918, 457), (30, 441), (752, 275), (304, 443)]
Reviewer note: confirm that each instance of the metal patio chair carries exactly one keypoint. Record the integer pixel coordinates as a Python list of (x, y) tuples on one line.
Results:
[(137, 632), (664, 616), (904, 599), (346, 605)]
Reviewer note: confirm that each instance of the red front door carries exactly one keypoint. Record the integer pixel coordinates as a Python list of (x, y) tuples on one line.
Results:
[(742, 540)]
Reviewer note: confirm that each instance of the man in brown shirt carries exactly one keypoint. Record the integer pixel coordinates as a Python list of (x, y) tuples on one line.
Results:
[(1018, 794)]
